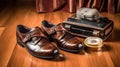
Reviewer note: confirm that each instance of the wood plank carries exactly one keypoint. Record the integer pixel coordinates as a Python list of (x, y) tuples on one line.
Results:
[(2, 30)]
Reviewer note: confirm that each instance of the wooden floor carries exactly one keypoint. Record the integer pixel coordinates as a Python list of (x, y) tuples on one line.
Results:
[(12, 55)]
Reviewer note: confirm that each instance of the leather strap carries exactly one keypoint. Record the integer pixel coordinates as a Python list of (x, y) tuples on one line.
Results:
[(60, 28), (34, 33)]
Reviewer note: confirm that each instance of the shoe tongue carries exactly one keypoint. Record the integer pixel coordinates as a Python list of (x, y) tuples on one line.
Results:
[(60, 27), (33, 29), (37, 32), (34, 32)]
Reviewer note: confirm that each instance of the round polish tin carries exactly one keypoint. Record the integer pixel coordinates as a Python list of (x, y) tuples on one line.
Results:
[(93, 43)]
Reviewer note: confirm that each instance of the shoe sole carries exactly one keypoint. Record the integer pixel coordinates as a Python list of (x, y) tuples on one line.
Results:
[(68, 50)]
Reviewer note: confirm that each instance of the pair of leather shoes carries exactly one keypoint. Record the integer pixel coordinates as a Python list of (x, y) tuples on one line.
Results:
[(37, 43)]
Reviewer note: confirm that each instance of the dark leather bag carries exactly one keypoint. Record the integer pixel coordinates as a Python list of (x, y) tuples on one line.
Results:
[(102, 27)]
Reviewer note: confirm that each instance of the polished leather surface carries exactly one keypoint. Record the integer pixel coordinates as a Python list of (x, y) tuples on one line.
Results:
[(64, 40), (35, 42)]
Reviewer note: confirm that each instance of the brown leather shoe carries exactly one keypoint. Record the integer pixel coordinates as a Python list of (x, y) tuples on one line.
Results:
[(65, 40), (36, 42)]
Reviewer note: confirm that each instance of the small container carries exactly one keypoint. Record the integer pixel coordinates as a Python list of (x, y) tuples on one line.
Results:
[(93, 43)]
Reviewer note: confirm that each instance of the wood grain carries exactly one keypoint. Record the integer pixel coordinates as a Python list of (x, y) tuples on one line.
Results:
[(1, 30), (12, 55)]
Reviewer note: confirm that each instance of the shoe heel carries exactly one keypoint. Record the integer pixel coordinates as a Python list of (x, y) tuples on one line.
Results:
[(21, 44)]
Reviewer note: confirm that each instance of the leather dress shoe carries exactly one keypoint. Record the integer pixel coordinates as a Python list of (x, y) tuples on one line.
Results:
[(64, 39), (36, 43)]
